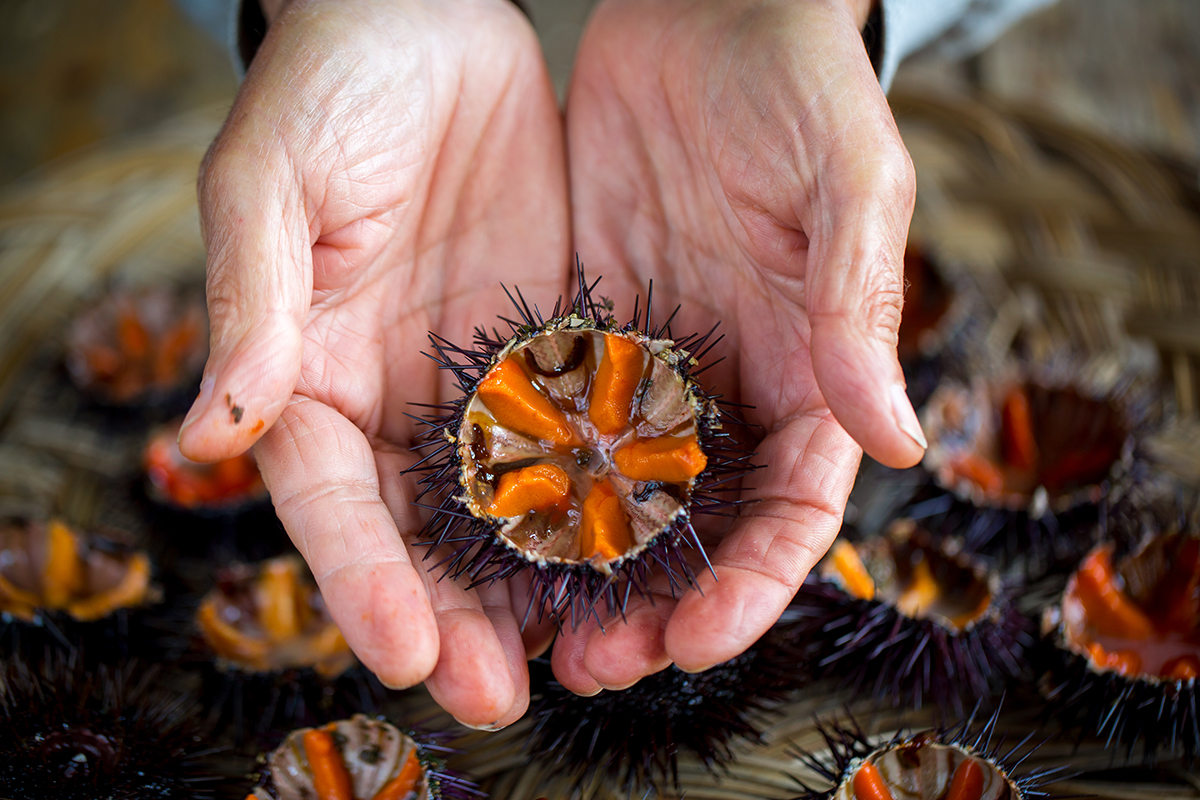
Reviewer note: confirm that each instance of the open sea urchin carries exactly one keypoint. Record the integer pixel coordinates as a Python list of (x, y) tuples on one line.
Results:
[(360, 758), (1124, 647), (141, 347), (52, 575), (960, 763), (910, 619), (272, 652), (579, 450)]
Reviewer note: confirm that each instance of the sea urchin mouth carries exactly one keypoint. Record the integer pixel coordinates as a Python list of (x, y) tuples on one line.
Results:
[(579, 450)]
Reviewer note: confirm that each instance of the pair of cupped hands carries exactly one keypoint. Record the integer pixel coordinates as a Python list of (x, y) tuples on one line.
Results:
[(388, 163)]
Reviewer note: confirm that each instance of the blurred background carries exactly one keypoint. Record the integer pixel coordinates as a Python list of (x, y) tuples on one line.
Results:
[(75, 72)]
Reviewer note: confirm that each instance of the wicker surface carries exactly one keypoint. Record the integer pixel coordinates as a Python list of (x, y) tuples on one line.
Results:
[(1072, 239)]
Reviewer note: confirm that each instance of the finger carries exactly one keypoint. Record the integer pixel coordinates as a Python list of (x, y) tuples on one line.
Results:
[(620, 651), (567, 660), (259, 285), (323, 480), (628, 649), (854, 288), (482, 677), (761, 562), (537, 631)]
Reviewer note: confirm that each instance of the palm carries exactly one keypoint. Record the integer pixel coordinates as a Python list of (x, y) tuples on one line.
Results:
[(697, 160), (410, 180)]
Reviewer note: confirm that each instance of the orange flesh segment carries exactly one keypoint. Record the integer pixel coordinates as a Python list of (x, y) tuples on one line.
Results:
[(331, 780), (604, 528), (276, 595), (18, 602), (403, 784), (1109, 612), (1126, 662), (855, 578), (617, 378), (1016, 426), (1184, 668), (517, 405), (227, 641), (979, 471), (130, 591), (536, 488), (329, 651), (62, 576), (668, 459), (132, 335), (173, 348), (920, 594), (869, 784), (967, 783)]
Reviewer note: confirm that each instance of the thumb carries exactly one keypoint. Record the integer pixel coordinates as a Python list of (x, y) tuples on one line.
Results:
[(854, 293), (259, 285)]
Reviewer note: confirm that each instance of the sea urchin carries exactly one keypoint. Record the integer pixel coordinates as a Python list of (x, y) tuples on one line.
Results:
[(579, 450)]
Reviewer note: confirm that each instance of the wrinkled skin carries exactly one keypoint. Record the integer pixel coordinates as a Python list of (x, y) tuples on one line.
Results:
[(387, 164)]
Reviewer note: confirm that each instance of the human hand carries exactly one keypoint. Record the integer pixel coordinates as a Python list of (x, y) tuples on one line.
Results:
[(384, 166), (742, 154)]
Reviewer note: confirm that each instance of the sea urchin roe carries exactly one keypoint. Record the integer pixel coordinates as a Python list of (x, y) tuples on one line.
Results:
[(918, 769), (910, 572), (189, 484), (272, 618), (582, 443), (355, 759), (1143, 618), (134, 343), (1001, 441), (51, 567)]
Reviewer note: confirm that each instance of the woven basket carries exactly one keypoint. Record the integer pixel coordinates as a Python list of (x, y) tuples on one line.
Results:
[(1068, 236)]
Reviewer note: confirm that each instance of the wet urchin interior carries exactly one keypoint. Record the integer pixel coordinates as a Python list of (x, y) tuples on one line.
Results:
[(911, 620), (964, 762), (635, 735), (360, 758), (71, 732), (270, 654), (1122, 648), (1021, 462), (60, 585), (579, 451)]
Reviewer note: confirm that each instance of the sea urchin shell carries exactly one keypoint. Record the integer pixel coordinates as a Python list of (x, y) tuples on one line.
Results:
[(579, 450), (1124, 653), (910, 619), (955, 764), (360, 758)]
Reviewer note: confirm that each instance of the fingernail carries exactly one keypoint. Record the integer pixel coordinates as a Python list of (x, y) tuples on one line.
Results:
[(490, 727), (906, 418), (614, 688), (198, 407)]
